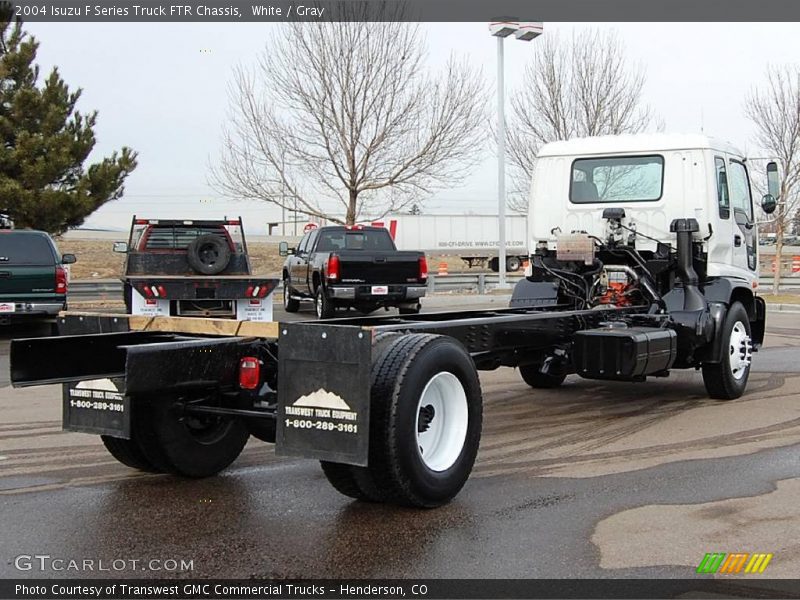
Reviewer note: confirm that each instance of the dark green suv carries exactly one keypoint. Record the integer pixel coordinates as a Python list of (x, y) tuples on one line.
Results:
[(33, 280)]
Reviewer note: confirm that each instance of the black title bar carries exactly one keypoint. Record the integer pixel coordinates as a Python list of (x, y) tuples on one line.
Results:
[(412, 10), (254, 589)]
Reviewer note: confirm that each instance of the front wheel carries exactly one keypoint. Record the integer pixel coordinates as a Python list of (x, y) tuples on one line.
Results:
[(290, 305), (532, 375), (425, 424), (727, 379)]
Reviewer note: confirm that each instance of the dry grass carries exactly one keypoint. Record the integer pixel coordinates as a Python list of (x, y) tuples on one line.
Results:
[(96, 260)]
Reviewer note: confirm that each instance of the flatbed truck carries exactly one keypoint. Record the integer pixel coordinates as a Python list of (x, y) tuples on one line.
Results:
[(645, 261)]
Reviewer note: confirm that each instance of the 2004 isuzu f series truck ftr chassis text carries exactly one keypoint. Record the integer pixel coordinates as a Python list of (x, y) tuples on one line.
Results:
[(645, 261)]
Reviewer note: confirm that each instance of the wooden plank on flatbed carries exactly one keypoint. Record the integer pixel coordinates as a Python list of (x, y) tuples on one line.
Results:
[(227, 327)]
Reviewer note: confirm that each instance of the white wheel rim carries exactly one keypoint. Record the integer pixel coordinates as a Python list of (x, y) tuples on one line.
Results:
[(443, 416), (285, 294), (319, 305), (740, 350)]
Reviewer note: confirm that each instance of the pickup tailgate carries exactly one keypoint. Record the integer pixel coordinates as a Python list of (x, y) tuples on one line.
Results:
[(379, 268), (28, 281)]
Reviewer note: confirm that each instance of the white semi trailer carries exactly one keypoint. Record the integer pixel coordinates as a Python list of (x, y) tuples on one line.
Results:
[(474, 238)]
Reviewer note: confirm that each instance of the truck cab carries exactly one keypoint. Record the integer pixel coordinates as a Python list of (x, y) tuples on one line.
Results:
[(655, 179)]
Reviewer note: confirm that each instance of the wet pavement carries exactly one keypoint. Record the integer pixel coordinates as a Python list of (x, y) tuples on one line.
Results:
[(591, 480)]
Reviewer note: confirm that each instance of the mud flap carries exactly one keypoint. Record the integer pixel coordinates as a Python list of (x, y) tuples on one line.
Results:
[(324, 392), (97, 406)]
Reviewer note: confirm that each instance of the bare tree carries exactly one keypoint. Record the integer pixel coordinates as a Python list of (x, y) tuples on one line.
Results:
[(349, 112), (774, 109), (579, 87)]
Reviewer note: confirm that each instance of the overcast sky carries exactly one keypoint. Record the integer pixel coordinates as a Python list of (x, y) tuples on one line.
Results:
[(162, 89)]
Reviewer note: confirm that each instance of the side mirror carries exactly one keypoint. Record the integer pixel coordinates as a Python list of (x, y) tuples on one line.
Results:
[(120, 246), (769, 204), (284, 250), (68, 259), (773, 181)]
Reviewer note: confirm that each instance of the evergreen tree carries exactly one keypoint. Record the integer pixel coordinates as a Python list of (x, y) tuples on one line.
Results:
[(44, 142)]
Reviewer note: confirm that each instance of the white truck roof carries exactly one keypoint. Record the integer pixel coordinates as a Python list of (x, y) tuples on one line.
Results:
[(622, 144)]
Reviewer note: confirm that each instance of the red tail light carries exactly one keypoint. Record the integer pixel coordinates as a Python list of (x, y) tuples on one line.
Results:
[(162, 293), (147, 292), (333, 268), (249, 373), (249, 291), (423, 268), (263, 291), (61, 280)]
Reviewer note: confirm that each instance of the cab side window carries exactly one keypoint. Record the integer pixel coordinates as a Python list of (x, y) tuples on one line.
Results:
[(312, 238), (301, 247), (723, 195), (741, 200)]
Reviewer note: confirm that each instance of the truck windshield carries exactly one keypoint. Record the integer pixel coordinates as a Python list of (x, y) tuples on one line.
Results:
[(369, 240), (617, 179), (18, 248)]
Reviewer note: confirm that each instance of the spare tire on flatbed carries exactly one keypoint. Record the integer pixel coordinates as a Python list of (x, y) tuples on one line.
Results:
[(208, 254)]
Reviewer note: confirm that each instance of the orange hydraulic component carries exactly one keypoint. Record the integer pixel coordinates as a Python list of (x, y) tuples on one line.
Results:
[(616, 294)]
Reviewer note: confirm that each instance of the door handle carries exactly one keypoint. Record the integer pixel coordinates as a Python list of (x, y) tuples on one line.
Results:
[(737, 241)]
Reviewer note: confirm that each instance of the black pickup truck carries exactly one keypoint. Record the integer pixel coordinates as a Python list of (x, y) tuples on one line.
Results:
[(357, 267)]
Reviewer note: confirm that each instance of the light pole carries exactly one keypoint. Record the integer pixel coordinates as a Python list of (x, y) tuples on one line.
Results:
[(501, 29)]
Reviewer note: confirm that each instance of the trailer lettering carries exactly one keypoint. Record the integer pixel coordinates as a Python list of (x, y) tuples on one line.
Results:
[(344, 415), (299, 411)]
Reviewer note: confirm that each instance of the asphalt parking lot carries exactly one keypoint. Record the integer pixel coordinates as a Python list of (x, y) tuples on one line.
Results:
[(590, 480)]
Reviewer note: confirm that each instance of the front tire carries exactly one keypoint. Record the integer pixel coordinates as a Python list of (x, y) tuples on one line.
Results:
[(727, 379), (536, 379), (425, 422), (290, 305)]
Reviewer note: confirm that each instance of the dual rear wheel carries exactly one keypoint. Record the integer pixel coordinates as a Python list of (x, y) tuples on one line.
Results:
[(165, 441), (425, 423)]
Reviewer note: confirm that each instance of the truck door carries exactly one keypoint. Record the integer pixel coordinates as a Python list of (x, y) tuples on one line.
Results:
[(304, 265), (744, 241), (298, 266)]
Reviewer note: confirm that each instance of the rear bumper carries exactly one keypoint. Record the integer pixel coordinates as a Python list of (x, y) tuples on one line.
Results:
[(364, 293), (34, 309)]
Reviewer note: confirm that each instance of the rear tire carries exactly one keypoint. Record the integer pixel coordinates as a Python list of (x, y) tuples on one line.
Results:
[(513, 264), (189, 445), (351, 481), (425, 422), (727, 380), (290, 305), (536, 379), (129, 454), (324, 306), (410, 311)]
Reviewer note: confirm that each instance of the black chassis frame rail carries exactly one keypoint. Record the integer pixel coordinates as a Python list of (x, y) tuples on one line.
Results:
[(499, 337), (323, 395)]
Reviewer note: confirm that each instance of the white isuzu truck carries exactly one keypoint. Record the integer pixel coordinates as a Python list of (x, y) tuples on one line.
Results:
[(644, 261)]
